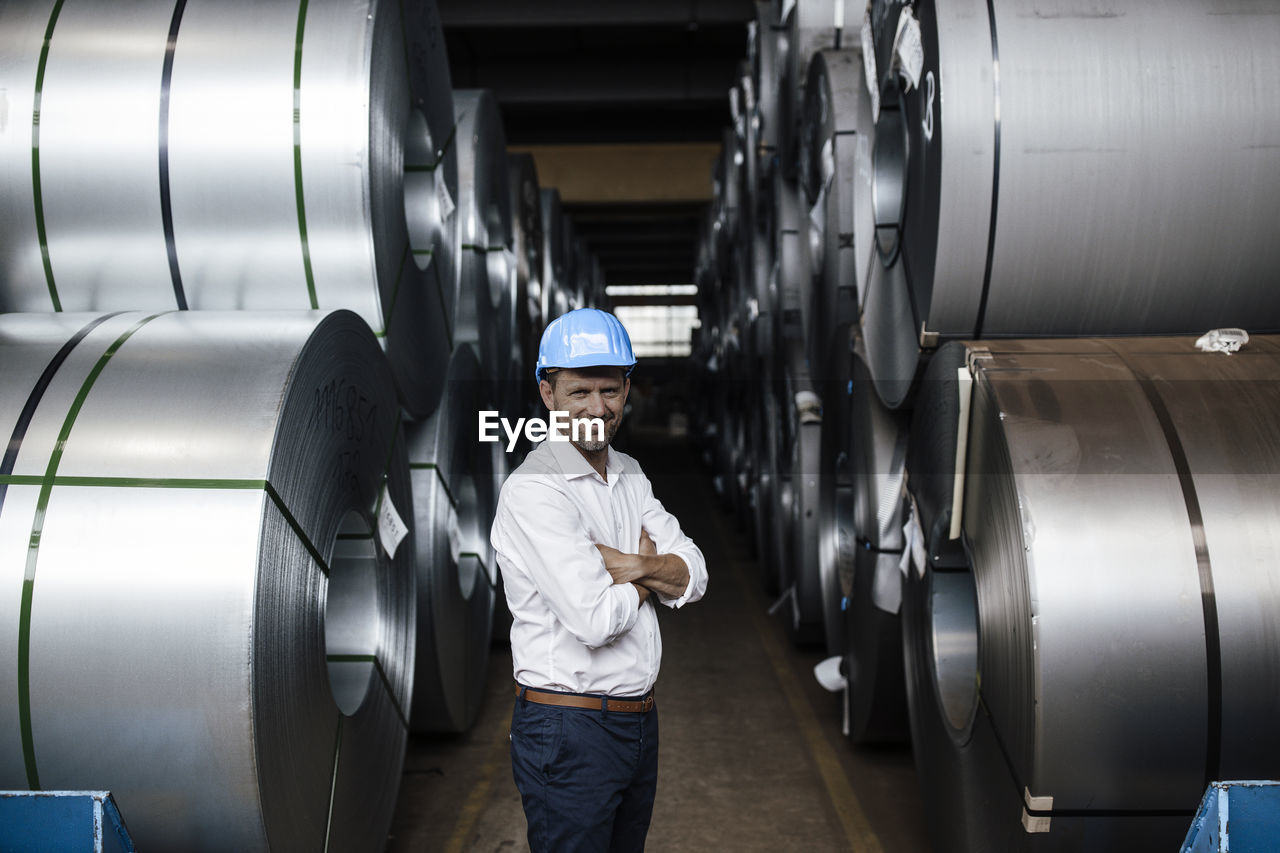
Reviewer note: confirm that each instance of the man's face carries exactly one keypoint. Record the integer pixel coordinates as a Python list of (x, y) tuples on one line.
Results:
[(589, 392)]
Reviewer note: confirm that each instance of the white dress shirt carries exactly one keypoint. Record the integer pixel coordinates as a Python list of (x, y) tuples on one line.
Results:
[(573, 629)]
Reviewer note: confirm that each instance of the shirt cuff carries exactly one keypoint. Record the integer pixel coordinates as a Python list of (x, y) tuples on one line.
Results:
[(632, 599), (683, 599)]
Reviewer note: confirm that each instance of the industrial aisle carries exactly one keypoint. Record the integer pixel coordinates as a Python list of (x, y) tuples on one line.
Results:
[(751, 755)]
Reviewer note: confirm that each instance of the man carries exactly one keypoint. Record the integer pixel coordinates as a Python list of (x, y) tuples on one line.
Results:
[(585, 550)]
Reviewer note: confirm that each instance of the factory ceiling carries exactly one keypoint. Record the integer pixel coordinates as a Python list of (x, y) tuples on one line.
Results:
[(622, 104)]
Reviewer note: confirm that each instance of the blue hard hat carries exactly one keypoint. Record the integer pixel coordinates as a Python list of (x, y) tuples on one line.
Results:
[(587, 337)]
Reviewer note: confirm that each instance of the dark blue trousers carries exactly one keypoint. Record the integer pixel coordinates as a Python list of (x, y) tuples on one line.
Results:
[(587, 777)]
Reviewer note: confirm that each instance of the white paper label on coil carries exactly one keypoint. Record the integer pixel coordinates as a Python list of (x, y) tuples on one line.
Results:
[(1222, 340), (391, 527), (869, 64), (908, 48), (447, 207), (828, 161), (838, 15), (818, 213), (809, 407), (828, 674), (455, 536), (913, 550)]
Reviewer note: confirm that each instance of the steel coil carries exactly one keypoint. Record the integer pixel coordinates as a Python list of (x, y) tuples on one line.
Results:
[(877, 441), (454, 499), (582, 267), (837, 538), (728, 184), (810, 26), (527, 242), (569, 286), (555, 300), (199, 609), (792, 286), (485, 313), (1112, 646), (769, 60), (1115, 177), (810, 597), (835, 173), (233, 155), (764, 499)]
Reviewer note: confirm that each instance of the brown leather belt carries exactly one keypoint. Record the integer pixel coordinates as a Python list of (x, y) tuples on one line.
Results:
[(626, 706)]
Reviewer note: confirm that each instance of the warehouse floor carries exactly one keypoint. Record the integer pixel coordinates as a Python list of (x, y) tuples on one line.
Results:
[(751, 753)]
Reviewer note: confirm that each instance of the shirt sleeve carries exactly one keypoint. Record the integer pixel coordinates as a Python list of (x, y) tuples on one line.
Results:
[(539, 532), (667, 536)]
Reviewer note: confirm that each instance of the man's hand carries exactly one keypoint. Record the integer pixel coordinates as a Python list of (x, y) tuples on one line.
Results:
[(663, 573), (647, 548), (623, 568)]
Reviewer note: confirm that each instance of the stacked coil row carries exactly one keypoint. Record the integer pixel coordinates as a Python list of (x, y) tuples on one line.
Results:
[(263, 267), (1010, 175)]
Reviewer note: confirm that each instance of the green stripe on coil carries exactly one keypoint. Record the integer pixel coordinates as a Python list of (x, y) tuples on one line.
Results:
[(297, 154), (444, 307), (333, 783), (134, 482), (296, 527), (395, 290), (37, 189), (382, 676), (33, 551), (431, 466)]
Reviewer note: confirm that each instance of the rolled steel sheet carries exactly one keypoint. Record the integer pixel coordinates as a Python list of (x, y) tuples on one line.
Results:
[(837, 537), (200, 611), (793, 280), (810, 26), (769, 61), (1112, 645), (485, 315), (527, 243), (762, 141), (570, 285), (554, 272), (581, 272), (810, 597), (877, 440), (454, 500), (599, 298), (233, 155), (835, 172), (766, 426), (1115, 178), (728, 185)]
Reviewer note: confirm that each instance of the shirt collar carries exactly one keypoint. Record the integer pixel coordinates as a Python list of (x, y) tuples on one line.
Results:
[(575, 465)]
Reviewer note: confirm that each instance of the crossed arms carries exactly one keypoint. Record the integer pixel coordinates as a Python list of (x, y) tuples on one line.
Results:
[(648, 570)]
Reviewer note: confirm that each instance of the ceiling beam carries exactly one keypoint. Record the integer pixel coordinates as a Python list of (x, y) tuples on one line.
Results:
[(651, 299), (626, 173), (484, 14), (572, 80)]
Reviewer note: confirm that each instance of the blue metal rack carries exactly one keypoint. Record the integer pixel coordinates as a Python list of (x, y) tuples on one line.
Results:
[(1240, 817), (62, 822)]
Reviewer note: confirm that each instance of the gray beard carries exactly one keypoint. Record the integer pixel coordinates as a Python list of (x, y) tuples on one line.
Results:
[(610, 430)]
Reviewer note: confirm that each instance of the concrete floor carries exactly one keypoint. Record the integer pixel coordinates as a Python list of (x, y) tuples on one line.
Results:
[(752, 757)]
